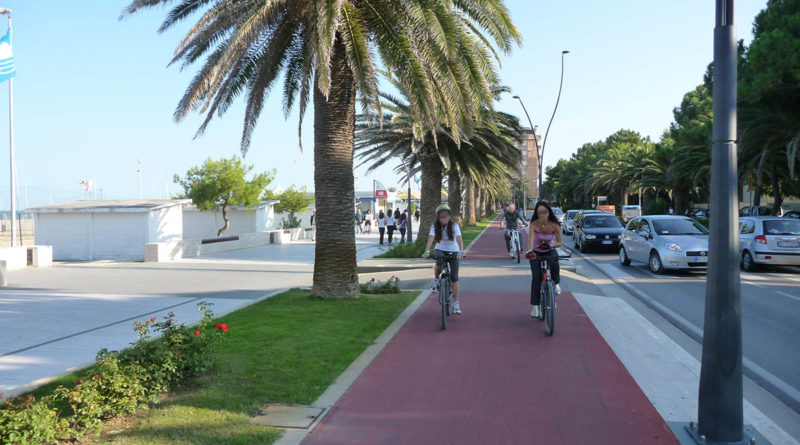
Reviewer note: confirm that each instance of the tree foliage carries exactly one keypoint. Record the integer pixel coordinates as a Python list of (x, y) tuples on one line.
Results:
[(292, 202), (223, 183)]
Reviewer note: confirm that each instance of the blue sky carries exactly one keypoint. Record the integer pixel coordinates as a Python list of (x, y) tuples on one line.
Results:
[(93, 94)]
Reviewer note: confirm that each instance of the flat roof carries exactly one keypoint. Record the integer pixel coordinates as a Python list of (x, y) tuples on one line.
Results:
[(192, 207), (109, 205)]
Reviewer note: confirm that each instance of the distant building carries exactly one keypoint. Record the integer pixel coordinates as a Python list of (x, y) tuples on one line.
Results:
[(107, 229), (201, 224), (529, 145)]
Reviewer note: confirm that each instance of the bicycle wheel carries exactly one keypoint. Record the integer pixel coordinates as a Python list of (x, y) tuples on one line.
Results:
[(444, 300), (542, 304), (519, 249), (550, 308)]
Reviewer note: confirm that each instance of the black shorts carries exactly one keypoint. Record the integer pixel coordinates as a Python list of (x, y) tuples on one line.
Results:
[(452, 260)]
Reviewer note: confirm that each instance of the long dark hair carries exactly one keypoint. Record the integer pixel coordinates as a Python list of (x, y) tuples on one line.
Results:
[(380, 214), (550, 215), (437, 229)]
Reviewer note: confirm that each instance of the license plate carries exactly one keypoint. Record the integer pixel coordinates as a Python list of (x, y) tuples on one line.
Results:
[(788, 244), (608, 242), (698, 259)]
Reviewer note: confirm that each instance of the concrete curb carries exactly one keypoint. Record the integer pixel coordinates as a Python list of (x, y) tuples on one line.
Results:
[(780, 389), (342, 383)]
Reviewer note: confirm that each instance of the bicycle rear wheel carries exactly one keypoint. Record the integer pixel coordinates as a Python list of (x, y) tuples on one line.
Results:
[(519, 249), (444, 300), (550, 308)]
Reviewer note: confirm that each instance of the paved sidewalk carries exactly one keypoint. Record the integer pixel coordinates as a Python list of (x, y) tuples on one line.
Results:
[(494, 376)]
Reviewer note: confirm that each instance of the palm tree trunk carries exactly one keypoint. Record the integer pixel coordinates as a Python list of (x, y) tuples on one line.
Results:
[(488, 205), (469, 208), (776, 188), (431, 193), (454, 192), (335, 270)]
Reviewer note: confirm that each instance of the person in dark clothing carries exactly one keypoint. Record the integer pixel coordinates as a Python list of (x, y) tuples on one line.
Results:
[(381, 224), (402, 225), (511, 218)]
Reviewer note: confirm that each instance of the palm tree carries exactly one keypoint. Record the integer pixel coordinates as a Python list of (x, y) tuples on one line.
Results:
[(439, 51), (475, 154)]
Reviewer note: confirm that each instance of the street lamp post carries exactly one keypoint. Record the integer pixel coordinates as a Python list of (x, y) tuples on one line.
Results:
[(525, 167), (558, 99), (720, 410)]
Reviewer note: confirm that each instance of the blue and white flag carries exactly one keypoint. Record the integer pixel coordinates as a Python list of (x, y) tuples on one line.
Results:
[(7, 67)]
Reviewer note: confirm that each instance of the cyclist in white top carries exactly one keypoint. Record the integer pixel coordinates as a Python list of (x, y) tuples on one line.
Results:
[(449, 248)]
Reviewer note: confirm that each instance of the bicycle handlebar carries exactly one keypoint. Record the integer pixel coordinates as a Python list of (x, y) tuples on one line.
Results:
[(532, 255)]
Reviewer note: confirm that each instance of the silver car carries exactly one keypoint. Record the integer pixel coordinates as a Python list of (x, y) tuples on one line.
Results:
[(769, 240), (569, 218), (665, 242)]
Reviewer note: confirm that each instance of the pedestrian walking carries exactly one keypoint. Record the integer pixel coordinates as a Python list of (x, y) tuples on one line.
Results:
[(313, 224), (402, 225), (359, 218), (381, 224), (390, 224), (368, 221), (416, 215)]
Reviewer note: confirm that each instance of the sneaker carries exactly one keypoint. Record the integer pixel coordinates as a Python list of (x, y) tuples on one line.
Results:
[(511, 255), (535, 311), (456, 308), (558, 289), (435, 284)]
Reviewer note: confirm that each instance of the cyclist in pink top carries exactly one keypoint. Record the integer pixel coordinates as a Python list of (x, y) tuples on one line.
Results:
[(543, 237)]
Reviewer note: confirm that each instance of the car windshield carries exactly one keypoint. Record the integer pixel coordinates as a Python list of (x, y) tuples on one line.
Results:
[(594, 221), (557, 211), (678, 227), (766, 211), (571, 214), (782, 227)]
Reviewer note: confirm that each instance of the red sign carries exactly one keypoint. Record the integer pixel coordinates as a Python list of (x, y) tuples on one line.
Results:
[(381, 194), (607, 209)]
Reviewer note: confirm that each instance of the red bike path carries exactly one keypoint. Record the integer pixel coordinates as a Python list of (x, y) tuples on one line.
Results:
[(494, 377)]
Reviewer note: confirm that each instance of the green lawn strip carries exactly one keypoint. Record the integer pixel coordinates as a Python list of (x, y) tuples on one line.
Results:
[(415, 250), (287, 349)]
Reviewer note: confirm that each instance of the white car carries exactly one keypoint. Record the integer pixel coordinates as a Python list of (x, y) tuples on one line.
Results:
[(769, 240), (569, 218), (664, 242)]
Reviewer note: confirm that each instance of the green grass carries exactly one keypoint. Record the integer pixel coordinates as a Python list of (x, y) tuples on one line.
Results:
[(287, 349), (415, 250)]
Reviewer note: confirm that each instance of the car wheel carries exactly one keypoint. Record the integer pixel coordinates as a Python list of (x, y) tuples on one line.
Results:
[(747, 262), (656, 266), (623, 257)]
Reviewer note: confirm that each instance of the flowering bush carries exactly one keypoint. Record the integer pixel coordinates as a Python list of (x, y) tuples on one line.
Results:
[(373, 286), (164, 353)]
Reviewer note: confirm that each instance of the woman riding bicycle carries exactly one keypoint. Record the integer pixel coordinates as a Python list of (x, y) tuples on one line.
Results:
[(449, 248), (544, 236)]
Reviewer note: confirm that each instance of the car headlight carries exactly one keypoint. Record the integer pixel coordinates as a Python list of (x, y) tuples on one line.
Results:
[(590, 236), (672, 246)]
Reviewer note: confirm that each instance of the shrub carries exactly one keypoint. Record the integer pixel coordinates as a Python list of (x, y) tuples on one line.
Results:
[(121, 382), (390, 286)]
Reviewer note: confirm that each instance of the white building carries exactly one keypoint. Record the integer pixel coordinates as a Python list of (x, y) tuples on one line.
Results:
[(200, 224), (107, 229)]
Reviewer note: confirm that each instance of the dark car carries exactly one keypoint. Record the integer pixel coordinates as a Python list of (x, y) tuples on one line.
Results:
[(759, 211), (596, 230), (792, 214)]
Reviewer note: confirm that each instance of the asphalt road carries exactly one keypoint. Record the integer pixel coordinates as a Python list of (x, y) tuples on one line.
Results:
[(770, 308)]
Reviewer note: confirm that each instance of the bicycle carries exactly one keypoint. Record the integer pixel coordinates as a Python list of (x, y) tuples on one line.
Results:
[(547, 301), (516, 247), (445, 287)]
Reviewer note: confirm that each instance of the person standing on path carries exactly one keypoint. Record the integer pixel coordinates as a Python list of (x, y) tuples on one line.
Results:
[(402, 224), (313, 224), (381, 224), (447, 235), (359, 217), (390, 224), (510, 220), (368, 222), (545, 237)]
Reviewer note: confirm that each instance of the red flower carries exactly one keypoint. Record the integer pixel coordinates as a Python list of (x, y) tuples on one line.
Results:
[(196, 332), (153, 319), (373, 279), (222, 327)]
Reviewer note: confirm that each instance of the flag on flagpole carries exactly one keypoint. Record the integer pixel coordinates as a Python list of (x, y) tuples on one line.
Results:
[(7, 67)]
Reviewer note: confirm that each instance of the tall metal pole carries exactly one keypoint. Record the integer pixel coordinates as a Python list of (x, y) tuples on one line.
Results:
[(13, 174), (558, 99), (720, 416), (409, 236), (538, 157)]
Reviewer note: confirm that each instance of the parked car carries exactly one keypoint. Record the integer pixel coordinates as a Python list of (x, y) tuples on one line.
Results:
[(559, 214), (665, 242), (569, 218), (792, 214), (697, 213), (596, 229), (759, 211), (769, 240)]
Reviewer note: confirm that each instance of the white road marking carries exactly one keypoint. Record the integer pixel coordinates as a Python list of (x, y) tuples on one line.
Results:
[(793, 297), (751, 276), (614, 272)]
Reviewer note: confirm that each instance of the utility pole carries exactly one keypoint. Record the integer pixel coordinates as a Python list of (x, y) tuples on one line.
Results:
[(720, 413)]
